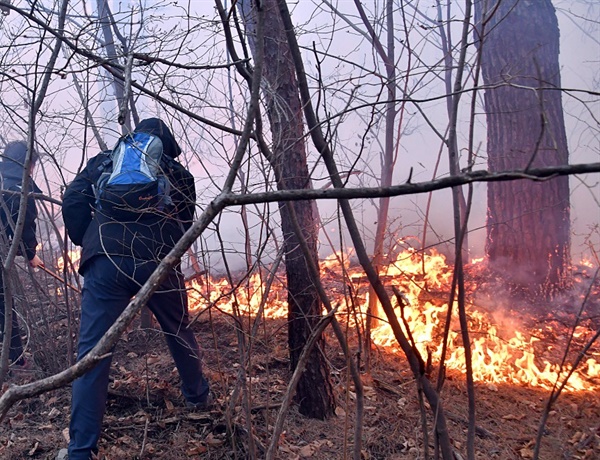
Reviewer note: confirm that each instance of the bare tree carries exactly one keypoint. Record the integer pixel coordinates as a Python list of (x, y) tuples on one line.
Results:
[(288, 159)]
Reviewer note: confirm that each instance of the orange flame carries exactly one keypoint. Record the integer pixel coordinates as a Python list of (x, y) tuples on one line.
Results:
[(73, 256), (508, 357)]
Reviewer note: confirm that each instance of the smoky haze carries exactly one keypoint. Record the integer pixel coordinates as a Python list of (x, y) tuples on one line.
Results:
[(343, 62)]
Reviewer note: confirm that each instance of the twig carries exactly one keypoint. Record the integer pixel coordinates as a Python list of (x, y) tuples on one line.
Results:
[(145, 436), (58, 278), (267, 406)]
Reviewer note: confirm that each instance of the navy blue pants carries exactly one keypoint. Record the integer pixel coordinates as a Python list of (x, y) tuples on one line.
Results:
[(15, 354), (109, 284)]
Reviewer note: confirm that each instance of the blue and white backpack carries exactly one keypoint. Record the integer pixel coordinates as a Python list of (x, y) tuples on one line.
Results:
[(132, 181)]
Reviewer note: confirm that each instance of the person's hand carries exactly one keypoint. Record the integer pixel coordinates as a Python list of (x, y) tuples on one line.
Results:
[(36, 262)]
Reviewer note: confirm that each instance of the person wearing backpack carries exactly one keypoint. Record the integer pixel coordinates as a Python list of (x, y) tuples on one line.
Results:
[(11, 184), (127, 209)]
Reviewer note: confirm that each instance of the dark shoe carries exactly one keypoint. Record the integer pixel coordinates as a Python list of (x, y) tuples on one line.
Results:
[(202, 406)]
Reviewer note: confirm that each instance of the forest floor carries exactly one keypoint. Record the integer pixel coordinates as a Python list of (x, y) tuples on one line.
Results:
[(146, 416)]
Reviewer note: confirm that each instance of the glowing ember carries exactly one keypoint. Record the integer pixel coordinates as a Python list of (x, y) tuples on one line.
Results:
[(509, 356), (588, 263)]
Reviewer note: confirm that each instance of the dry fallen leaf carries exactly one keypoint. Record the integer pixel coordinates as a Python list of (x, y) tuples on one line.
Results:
[(307, 451), (199, 417), (576, 437), (195, 448), (212, 441), (153, 358), (340, 412), (526, 453), (169, 420), (285, 448)]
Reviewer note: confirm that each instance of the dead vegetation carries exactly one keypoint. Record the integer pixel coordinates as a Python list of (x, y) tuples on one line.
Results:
[(146, 418)]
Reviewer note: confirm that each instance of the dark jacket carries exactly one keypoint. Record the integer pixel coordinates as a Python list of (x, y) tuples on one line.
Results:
[(11, 183), (147, 238)]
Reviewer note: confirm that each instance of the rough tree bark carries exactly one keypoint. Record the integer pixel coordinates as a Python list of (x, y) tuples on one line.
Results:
[(314, 392), (528, 239)]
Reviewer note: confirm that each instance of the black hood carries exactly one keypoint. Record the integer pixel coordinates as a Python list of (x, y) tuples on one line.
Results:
[(158, 127), (15, 152), (11, 166)]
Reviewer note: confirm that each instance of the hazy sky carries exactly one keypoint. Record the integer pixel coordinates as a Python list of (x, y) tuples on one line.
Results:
[(419, 148)]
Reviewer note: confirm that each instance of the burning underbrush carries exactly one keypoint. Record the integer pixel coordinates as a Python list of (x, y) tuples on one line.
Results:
[(511, 343), (518, 351)]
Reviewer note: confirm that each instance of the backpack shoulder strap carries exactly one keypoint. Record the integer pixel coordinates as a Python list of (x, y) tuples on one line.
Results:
[(103, 166), (101, 174), (168, 163)]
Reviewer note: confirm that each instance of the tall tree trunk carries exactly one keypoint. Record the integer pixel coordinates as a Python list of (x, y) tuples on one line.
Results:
[(315, 391), (111, 54), (528, 239)]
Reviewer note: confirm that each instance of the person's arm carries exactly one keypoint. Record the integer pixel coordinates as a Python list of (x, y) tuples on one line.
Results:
[(78, 201), (188, 209), (36, 262), (28, 236), (28, 243), (183, 195)]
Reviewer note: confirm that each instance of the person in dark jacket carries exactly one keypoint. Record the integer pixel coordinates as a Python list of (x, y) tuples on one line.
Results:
[(11, 184), (117, 258)]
